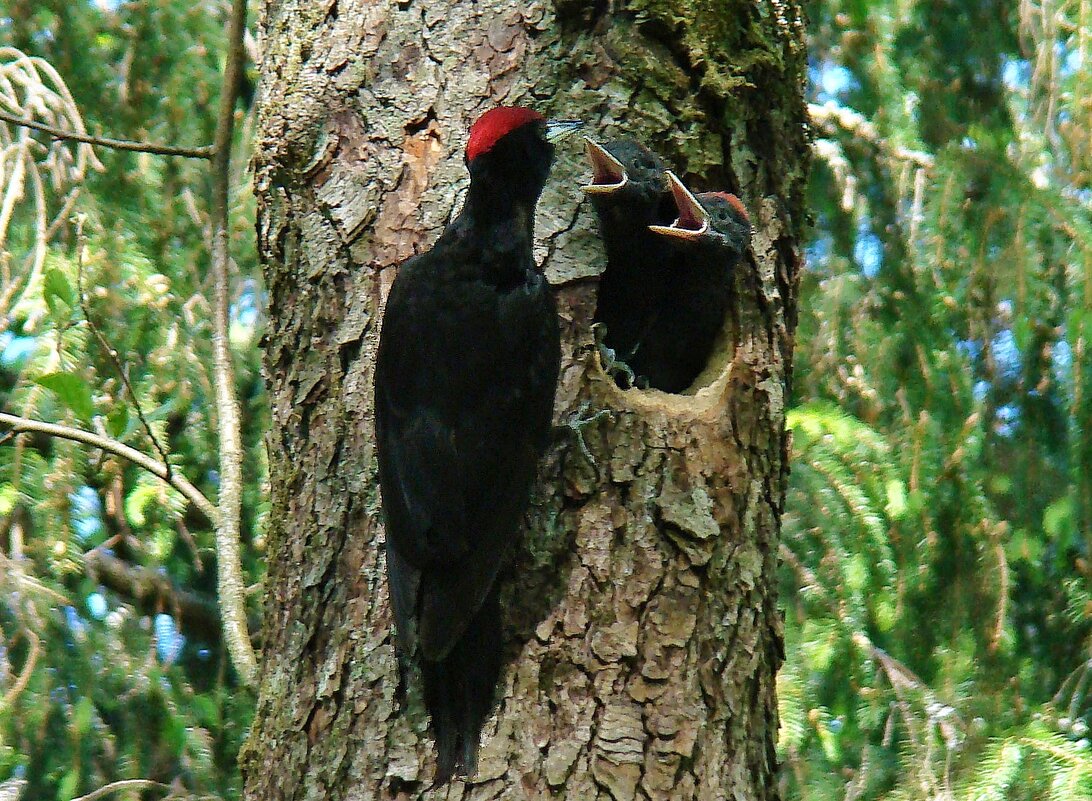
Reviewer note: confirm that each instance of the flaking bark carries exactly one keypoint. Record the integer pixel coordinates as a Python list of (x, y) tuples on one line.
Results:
[(643, 628)]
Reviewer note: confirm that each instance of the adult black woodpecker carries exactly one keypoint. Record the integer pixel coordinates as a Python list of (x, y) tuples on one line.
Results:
[(468, 363), (629, 191), (708, 237)]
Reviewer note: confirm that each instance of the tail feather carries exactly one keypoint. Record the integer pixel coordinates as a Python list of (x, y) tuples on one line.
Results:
[(459, 691), (402, 582)]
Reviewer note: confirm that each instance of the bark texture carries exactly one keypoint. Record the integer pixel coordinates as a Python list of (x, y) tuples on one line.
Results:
[(642, 620)]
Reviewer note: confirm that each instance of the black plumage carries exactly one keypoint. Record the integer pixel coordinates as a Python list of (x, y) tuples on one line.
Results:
[(707, 239), (465, 377), (664, 294), (629, 192)]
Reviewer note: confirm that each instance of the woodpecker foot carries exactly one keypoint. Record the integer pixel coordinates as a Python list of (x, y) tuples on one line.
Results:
[(612, 365), (581, 420)]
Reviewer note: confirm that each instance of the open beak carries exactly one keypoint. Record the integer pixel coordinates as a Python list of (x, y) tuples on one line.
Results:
[(608, 174), (557, 130), (693, 220)]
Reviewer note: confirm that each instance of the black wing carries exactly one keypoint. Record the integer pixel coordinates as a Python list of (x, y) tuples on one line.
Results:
[(465, 379)]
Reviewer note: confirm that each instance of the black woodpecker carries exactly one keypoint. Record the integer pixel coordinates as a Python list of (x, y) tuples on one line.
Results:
[(629, 191), (708, 237), (468, 363)]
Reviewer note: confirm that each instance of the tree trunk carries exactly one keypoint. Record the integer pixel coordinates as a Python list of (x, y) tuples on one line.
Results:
[(644, 636)]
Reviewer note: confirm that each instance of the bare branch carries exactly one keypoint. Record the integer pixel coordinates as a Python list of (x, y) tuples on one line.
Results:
[(190, 492), (203, 152), (124, 784), (229, 568), (12, 570), (28, 667), (153, 592)]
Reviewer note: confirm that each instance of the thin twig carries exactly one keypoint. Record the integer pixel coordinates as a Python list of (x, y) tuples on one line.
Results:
[(62, 216), (113, 354), (229, 568), (831, 117), (188, 490), (12, 570), (28, 667), (188, 538), (204, 152), (124, 784)]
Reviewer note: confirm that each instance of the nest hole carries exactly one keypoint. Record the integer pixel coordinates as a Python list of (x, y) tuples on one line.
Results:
[(660, 363), (702, 397)]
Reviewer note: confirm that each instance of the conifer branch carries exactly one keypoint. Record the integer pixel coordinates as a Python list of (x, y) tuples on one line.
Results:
[(110, 351), (832, 117), (188, 490), (204, 152), (231, 587)]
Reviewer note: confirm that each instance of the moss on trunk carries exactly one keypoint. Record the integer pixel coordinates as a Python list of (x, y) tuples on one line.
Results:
[(643, 629)]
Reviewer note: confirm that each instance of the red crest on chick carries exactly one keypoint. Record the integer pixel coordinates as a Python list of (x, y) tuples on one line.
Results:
[(488, 129), (732, 200)]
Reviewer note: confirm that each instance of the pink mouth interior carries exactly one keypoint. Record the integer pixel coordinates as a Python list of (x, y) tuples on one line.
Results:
[(688, 220), (605, 174)]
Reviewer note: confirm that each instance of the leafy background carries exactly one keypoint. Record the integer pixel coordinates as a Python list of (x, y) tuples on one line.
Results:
[(938, 538)]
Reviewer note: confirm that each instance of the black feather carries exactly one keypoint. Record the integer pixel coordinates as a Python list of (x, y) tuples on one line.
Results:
[(460, 688), (663, 301), (465, 377)]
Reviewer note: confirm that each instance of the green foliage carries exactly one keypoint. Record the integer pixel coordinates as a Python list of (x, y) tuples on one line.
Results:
[(937, 535), (1034, 764), (72, 391), (97, 685), (938, 531)]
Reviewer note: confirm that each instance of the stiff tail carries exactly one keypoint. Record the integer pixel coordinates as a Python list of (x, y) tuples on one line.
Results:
[(459, 691)]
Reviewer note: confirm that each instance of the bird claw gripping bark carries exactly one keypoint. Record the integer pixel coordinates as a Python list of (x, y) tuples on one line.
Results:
[(581, 420), (612, 365), (665, 292)]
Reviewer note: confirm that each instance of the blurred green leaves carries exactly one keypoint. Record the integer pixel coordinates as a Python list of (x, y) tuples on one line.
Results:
[(112, 691), (72, 391), (943, 391), (59, 295)]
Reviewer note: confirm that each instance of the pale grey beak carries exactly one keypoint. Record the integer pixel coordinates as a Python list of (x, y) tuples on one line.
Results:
[(608, 174), (559, 129)]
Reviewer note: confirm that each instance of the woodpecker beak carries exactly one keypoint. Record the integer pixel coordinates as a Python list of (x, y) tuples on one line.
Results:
[(693, 220), (608, 174), (557, 130)]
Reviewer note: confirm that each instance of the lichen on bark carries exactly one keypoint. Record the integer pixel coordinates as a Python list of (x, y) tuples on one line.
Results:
[(641, 612)]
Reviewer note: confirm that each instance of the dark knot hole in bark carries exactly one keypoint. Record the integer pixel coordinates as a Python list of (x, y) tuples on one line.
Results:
[(675, 338), (707, 370)]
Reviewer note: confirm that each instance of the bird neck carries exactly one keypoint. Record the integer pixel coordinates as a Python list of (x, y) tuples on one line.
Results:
[(500, 214)]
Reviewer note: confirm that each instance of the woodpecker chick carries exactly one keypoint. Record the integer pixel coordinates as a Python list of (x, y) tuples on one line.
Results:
[(629, 192), (467, 366), (708, 237)]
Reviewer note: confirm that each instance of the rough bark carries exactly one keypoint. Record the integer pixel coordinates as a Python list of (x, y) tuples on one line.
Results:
[(642, 620)]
